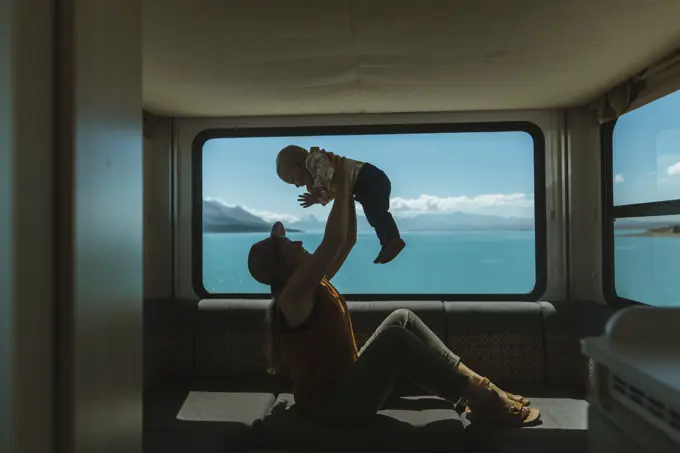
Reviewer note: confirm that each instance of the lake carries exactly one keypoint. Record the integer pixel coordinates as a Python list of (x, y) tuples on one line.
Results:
[(488, 262)]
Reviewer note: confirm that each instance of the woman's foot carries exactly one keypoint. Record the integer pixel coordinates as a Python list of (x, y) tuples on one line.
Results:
[(489, 405), (390, 250), (518, 398)]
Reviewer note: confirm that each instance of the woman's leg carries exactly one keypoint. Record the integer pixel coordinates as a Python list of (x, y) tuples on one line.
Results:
[(403, 346), (392, 352), (410, 321)]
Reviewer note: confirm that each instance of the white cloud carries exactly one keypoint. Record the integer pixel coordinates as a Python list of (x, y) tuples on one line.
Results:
[(619, 178), (269, 216), (432, 204), (514, 204), (674, 170)]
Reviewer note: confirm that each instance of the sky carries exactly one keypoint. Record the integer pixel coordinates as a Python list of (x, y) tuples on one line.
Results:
[(646, 155), (481, 172)]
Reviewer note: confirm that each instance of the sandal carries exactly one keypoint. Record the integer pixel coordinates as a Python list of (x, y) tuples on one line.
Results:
[(496, 407), (508, 416), (518, 398)]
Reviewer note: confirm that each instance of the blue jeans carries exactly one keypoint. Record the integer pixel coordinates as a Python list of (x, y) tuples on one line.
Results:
[(401, 347)]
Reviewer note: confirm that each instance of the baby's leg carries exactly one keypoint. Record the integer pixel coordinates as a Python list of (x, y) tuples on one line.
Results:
[(373, 190), (392, 243), (379, 217), (371, 221)]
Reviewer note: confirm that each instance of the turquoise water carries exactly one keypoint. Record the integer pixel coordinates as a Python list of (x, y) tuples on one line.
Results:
[(432, 262), (491, 262), (647, 269)]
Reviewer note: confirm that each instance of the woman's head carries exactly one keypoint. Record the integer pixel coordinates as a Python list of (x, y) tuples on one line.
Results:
[(271, 261), (291, 167)]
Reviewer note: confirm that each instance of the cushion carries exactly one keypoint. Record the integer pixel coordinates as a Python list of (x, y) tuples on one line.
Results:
[(500, 340), (563, 428), (201, 417), (406, 424), (231, 339), (565, 324)]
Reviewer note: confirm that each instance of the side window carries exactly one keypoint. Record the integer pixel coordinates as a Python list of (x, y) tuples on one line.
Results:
[(464, 202), (644, 207)]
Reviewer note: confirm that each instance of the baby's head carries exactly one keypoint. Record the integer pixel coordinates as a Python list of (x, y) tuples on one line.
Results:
[(290, 165)]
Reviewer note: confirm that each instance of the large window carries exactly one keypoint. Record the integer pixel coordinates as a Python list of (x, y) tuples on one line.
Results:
[(468, 201), (642, 205)]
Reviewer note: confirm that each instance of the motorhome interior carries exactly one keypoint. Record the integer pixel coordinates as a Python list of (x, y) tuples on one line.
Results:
[(533, 150)]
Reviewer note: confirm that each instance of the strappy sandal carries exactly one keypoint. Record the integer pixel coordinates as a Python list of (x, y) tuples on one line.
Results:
[(508, 416), (489, 408), (518, 398)]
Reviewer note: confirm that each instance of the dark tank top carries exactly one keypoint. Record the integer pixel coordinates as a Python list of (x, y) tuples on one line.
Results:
[(319, 353)]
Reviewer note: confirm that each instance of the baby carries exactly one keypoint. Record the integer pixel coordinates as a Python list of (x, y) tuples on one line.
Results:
[(369, 185)]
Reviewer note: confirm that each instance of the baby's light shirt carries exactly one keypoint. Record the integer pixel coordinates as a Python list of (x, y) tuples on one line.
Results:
[(322, 170)]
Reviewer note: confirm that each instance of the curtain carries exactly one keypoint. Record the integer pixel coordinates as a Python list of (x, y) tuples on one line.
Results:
[(658, 80)]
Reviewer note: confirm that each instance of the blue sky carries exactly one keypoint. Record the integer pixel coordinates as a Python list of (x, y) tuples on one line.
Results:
[(488, 173), (647, 153), (484, 173)]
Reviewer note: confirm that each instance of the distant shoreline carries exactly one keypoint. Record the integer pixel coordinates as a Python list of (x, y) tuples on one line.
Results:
[(231, 229), (671, 231), (237, 230), (648, 234)]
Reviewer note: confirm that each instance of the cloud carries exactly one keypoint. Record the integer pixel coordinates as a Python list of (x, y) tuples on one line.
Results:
[(269, 216), (619, 178), (674, 170), (432, 204), (513, 204)]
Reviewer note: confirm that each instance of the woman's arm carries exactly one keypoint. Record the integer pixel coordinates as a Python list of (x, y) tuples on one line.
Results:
[(350, 242), (297, 296)]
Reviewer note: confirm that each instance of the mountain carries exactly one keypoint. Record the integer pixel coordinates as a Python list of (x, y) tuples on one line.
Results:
[(432, 222), (312, 223), (220, 218), (462, 221), (308, 223)]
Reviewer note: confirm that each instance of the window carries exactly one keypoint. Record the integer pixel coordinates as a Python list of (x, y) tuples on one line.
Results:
[(463, 196), (642, 231)]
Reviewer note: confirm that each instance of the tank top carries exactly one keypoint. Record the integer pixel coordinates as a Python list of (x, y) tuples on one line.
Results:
[(319, 353)]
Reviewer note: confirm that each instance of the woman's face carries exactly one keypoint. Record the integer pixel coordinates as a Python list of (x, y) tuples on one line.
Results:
[(292, 252)]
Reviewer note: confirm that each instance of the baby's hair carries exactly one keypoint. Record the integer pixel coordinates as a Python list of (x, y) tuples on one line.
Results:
[(287, 156)]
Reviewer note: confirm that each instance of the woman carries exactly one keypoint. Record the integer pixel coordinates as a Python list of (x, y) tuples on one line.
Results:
[(313, 339)]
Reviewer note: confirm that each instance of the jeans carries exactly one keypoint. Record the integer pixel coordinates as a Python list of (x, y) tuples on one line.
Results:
[(401, 347), (372, 189)]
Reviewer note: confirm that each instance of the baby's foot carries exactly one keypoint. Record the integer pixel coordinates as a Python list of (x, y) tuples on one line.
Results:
[(390, 250)]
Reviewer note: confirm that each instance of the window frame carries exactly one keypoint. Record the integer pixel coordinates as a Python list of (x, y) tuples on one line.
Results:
[(610, 213), (540, 207)]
